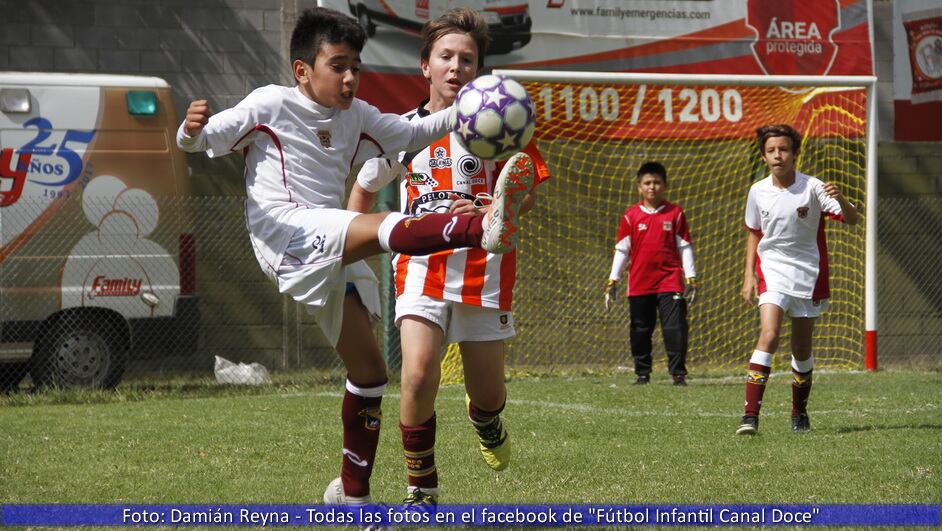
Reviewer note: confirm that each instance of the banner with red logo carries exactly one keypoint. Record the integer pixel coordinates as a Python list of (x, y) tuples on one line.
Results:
[(773, 37), (917, 47)]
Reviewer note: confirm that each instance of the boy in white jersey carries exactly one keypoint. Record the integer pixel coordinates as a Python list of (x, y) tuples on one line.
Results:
[(462, 296), (299, 144), (786, 250)]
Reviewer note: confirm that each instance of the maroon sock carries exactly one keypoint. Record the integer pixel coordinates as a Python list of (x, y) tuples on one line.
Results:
[(436, 232), (801, 388), (418, 444), (755, 387), (362, 417), (481, 416)]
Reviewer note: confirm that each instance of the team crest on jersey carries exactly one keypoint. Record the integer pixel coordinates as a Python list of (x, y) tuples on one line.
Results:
[(373, 417), (440, 159), (324, 136), (642, 226), (802, 212), (668, 225)]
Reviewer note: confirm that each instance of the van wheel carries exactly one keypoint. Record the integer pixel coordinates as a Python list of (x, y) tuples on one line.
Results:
[(80, 352), (11, 374), (363, 17)]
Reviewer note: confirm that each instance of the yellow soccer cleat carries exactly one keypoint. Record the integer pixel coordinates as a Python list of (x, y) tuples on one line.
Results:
[(494, 441)]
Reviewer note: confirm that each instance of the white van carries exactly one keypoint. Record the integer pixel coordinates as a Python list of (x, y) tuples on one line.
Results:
[(89, 272), (509, 20)]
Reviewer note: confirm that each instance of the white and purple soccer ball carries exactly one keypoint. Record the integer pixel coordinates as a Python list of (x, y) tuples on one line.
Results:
[(494, 117)]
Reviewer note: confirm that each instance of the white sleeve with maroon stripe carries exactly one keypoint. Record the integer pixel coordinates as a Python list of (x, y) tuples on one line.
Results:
[(393, 133), (229, 130)]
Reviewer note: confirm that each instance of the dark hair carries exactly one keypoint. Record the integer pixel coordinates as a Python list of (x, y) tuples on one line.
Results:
[(318, 25), (768, 131), (655, 168), (457, 20)]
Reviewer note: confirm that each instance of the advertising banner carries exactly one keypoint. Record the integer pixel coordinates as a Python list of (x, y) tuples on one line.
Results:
[(917, 68), (786, 37)]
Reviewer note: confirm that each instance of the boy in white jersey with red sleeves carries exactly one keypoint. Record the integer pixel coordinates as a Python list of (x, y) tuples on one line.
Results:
[(460, 296), (654, 242), (299, 144), (786, 250)]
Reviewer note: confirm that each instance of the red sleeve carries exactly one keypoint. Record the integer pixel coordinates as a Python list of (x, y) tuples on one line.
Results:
[(624, 227), (682, 230)]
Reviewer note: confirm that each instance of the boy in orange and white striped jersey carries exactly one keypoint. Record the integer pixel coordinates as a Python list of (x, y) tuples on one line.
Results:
[(459, 295)]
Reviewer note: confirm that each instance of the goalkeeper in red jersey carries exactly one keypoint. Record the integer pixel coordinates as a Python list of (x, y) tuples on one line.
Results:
[(654, 243)]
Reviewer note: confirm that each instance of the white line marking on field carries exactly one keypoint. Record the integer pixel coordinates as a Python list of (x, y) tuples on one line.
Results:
[(588, 408)]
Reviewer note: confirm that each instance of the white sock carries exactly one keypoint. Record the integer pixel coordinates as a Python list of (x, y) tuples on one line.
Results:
[(386, 227), (761, 358), (803, 366)]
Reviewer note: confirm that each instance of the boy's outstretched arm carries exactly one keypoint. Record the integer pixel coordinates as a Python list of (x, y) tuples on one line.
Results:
[(222, 133)]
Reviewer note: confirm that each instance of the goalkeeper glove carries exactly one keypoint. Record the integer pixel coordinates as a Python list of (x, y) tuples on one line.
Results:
[(690, 290), (610, 288)]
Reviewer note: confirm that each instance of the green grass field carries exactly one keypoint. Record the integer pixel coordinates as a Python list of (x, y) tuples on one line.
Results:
[(876, 438)]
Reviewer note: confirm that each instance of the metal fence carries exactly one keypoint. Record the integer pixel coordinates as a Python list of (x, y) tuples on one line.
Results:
[(96, 292)]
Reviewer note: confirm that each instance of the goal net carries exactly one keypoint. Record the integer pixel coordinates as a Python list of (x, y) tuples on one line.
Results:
[(595, 131)]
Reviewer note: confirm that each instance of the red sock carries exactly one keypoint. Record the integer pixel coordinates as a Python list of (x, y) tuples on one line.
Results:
[(801, 388), (418, 444), (435, 232), (755, 387), (362, 417)]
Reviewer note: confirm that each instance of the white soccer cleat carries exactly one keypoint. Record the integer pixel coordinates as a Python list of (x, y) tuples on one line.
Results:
[(501, 228), (334, 495)]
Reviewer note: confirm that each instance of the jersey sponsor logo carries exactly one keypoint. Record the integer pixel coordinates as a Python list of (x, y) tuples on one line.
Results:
[(372, 418), (103, 286), (437, 201), (642, 226), (324, 136), (421, 179), (440, 159), (802, 212), (667, 225), (355, 459), (469, 166), (764, 213)]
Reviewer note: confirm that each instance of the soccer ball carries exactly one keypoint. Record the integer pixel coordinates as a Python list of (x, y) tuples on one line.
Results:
[(494, 117)]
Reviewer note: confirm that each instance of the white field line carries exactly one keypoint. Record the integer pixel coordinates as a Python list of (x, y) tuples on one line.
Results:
[(623, 412)]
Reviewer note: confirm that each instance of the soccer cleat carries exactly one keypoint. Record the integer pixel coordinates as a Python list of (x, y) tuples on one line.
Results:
[(334, 495), (680, 381), (643, 379), (419, 499), (501, 226), (800, 423), (749, 426), (494, 442)]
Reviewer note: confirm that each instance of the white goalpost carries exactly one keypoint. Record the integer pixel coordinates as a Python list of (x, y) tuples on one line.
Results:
[(596, 128)]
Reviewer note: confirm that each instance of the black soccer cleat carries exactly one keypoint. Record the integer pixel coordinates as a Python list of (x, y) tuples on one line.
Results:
[(801, 423), (680, 381), (749, 426), (643, 379)]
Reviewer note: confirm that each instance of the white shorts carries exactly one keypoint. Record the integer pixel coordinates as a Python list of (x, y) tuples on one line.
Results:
[(312, 270), (794, 306), (460, 322)]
